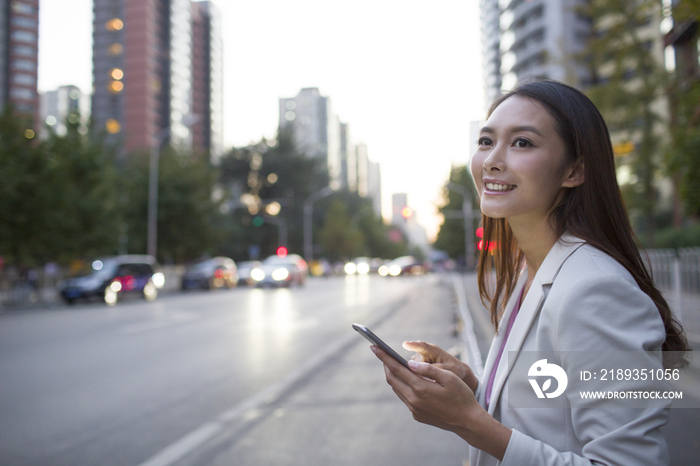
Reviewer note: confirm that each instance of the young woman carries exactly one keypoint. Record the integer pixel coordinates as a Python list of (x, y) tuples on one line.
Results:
[(569, 278)]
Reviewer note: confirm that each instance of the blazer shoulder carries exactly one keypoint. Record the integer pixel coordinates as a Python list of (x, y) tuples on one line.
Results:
[(588, 262), (595, 298)]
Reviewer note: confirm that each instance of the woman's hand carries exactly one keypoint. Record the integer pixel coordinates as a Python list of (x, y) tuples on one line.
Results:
[(425, 352), (439, 397)]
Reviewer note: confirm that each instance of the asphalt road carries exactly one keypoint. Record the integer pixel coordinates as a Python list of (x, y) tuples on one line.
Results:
[(172, 381), (236, 377)]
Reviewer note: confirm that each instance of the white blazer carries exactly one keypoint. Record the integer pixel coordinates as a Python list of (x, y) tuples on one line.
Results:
[(581, 299)]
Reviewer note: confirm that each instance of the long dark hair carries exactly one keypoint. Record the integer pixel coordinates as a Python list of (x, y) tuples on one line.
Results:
[(593, 211)]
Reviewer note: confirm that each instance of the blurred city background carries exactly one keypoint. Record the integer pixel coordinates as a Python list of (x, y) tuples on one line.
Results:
[(197, 199)]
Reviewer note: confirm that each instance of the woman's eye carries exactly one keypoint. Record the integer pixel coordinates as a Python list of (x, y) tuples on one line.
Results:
[(521, 143), (484, 142)]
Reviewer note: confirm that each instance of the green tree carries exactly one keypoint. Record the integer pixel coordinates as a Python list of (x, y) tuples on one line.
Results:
[(450, 237), (188, 215), (256, 176), (25, 192), (340, 239), (86, 212), (627, 83)]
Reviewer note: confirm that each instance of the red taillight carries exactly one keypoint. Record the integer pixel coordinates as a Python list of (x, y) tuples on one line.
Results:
[(128, 282), (219, 273)]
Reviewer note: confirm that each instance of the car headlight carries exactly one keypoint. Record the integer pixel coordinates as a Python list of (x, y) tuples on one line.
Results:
[(383, 270), (363, 268), (158, 279), (257, 274), (115, 286), (280, 274), (395, 270), (350, 268)]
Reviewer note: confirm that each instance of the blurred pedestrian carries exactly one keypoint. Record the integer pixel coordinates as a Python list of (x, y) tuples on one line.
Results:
[(569, 277)]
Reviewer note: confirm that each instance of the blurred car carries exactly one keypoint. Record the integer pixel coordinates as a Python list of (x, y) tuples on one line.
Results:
[(405, 265), (360, 266), (244, 269), (281, 271), (113, 278), (210, 274)]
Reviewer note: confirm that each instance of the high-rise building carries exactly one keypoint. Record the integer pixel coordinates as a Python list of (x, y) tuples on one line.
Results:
[(374, 187), (142, 71), (362, 169), (531, 38), (19, 33), (65, 104), (207, 79), (348, 175), (314, 127)]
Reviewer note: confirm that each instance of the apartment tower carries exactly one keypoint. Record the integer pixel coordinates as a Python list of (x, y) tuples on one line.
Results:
[(19, 33), (142, 72)]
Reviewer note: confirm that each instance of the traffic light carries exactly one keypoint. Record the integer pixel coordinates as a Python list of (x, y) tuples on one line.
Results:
[(258, 221), (282, 251)]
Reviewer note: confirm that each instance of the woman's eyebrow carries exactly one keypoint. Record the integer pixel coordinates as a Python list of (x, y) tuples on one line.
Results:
[(515, 129)]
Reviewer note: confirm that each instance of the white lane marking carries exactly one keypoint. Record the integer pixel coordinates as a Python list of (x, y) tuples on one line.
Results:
[(182, 447), (185, 445), (468, 334)]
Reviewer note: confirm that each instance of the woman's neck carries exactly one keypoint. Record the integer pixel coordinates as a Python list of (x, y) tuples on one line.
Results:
[(535, 240)]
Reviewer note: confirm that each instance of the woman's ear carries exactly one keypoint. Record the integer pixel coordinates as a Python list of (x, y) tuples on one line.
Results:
[(575, 175)]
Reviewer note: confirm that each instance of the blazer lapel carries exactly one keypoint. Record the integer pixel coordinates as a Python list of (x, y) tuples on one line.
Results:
[(529, 309)]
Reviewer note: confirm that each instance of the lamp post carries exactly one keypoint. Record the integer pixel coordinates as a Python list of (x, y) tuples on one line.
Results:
[(308, 212), (153, 183), (468, 216)]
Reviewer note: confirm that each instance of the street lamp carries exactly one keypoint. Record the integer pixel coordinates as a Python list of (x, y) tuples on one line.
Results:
[(153, 183), (308, 212), (468, 216)]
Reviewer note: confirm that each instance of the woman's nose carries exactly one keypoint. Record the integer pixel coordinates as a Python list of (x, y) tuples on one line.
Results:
[(495, 161)]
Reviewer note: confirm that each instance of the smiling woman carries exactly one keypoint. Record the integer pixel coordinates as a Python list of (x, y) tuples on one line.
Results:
[(569, 278)]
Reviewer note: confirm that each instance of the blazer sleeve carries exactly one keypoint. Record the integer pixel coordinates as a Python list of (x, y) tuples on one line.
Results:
[(601, 312)]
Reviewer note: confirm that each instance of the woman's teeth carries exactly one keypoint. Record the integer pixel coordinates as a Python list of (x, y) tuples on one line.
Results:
[(499, 187)]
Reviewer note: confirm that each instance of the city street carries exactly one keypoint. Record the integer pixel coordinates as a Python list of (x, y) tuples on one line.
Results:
[(259, 375), (243, 376)]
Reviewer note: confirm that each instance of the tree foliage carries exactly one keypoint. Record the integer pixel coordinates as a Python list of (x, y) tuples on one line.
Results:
[(627, 83), (450, 238), (59, 197), (258, 175), (188, 216)]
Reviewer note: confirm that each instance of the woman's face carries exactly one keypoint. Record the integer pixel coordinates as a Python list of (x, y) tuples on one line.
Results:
[(520, 167)]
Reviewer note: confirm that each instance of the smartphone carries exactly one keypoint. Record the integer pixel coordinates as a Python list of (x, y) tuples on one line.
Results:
[(375, 340)]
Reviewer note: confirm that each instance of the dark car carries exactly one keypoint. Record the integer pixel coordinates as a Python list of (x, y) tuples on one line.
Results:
[(113, 278), (210, 274)]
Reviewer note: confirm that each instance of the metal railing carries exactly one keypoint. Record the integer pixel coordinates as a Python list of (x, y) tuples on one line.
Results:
[(675, 270)]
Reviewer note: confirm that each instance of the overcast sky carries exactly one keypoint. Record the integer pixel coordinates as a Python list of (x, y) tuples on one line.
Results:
[(405, 74)]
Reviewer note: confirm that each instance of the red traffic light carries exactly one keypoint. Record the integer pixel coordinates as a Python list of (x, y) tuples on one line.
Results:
[(282, 251)]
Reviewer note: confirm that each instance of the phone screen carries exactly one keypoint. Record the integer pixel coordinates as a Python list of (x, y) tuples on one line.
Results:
[(375, 340)]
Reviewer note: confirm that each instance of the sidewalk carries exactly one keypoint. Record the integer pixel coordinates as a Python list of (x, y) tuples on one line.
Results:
[(345, 413)]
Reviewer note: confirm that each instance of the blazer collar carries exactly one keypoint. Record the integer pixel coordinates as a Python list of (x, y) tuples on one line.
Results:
[(529, 309)]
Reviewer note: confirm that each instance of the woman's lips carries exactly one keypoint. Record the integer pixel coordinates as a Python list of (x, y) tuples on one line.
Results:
[(499, 187)]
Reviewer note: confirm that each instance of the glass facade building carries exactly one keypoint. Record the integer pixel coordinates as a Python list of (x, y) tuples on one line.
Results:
[(144, 74), (19, 34)]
